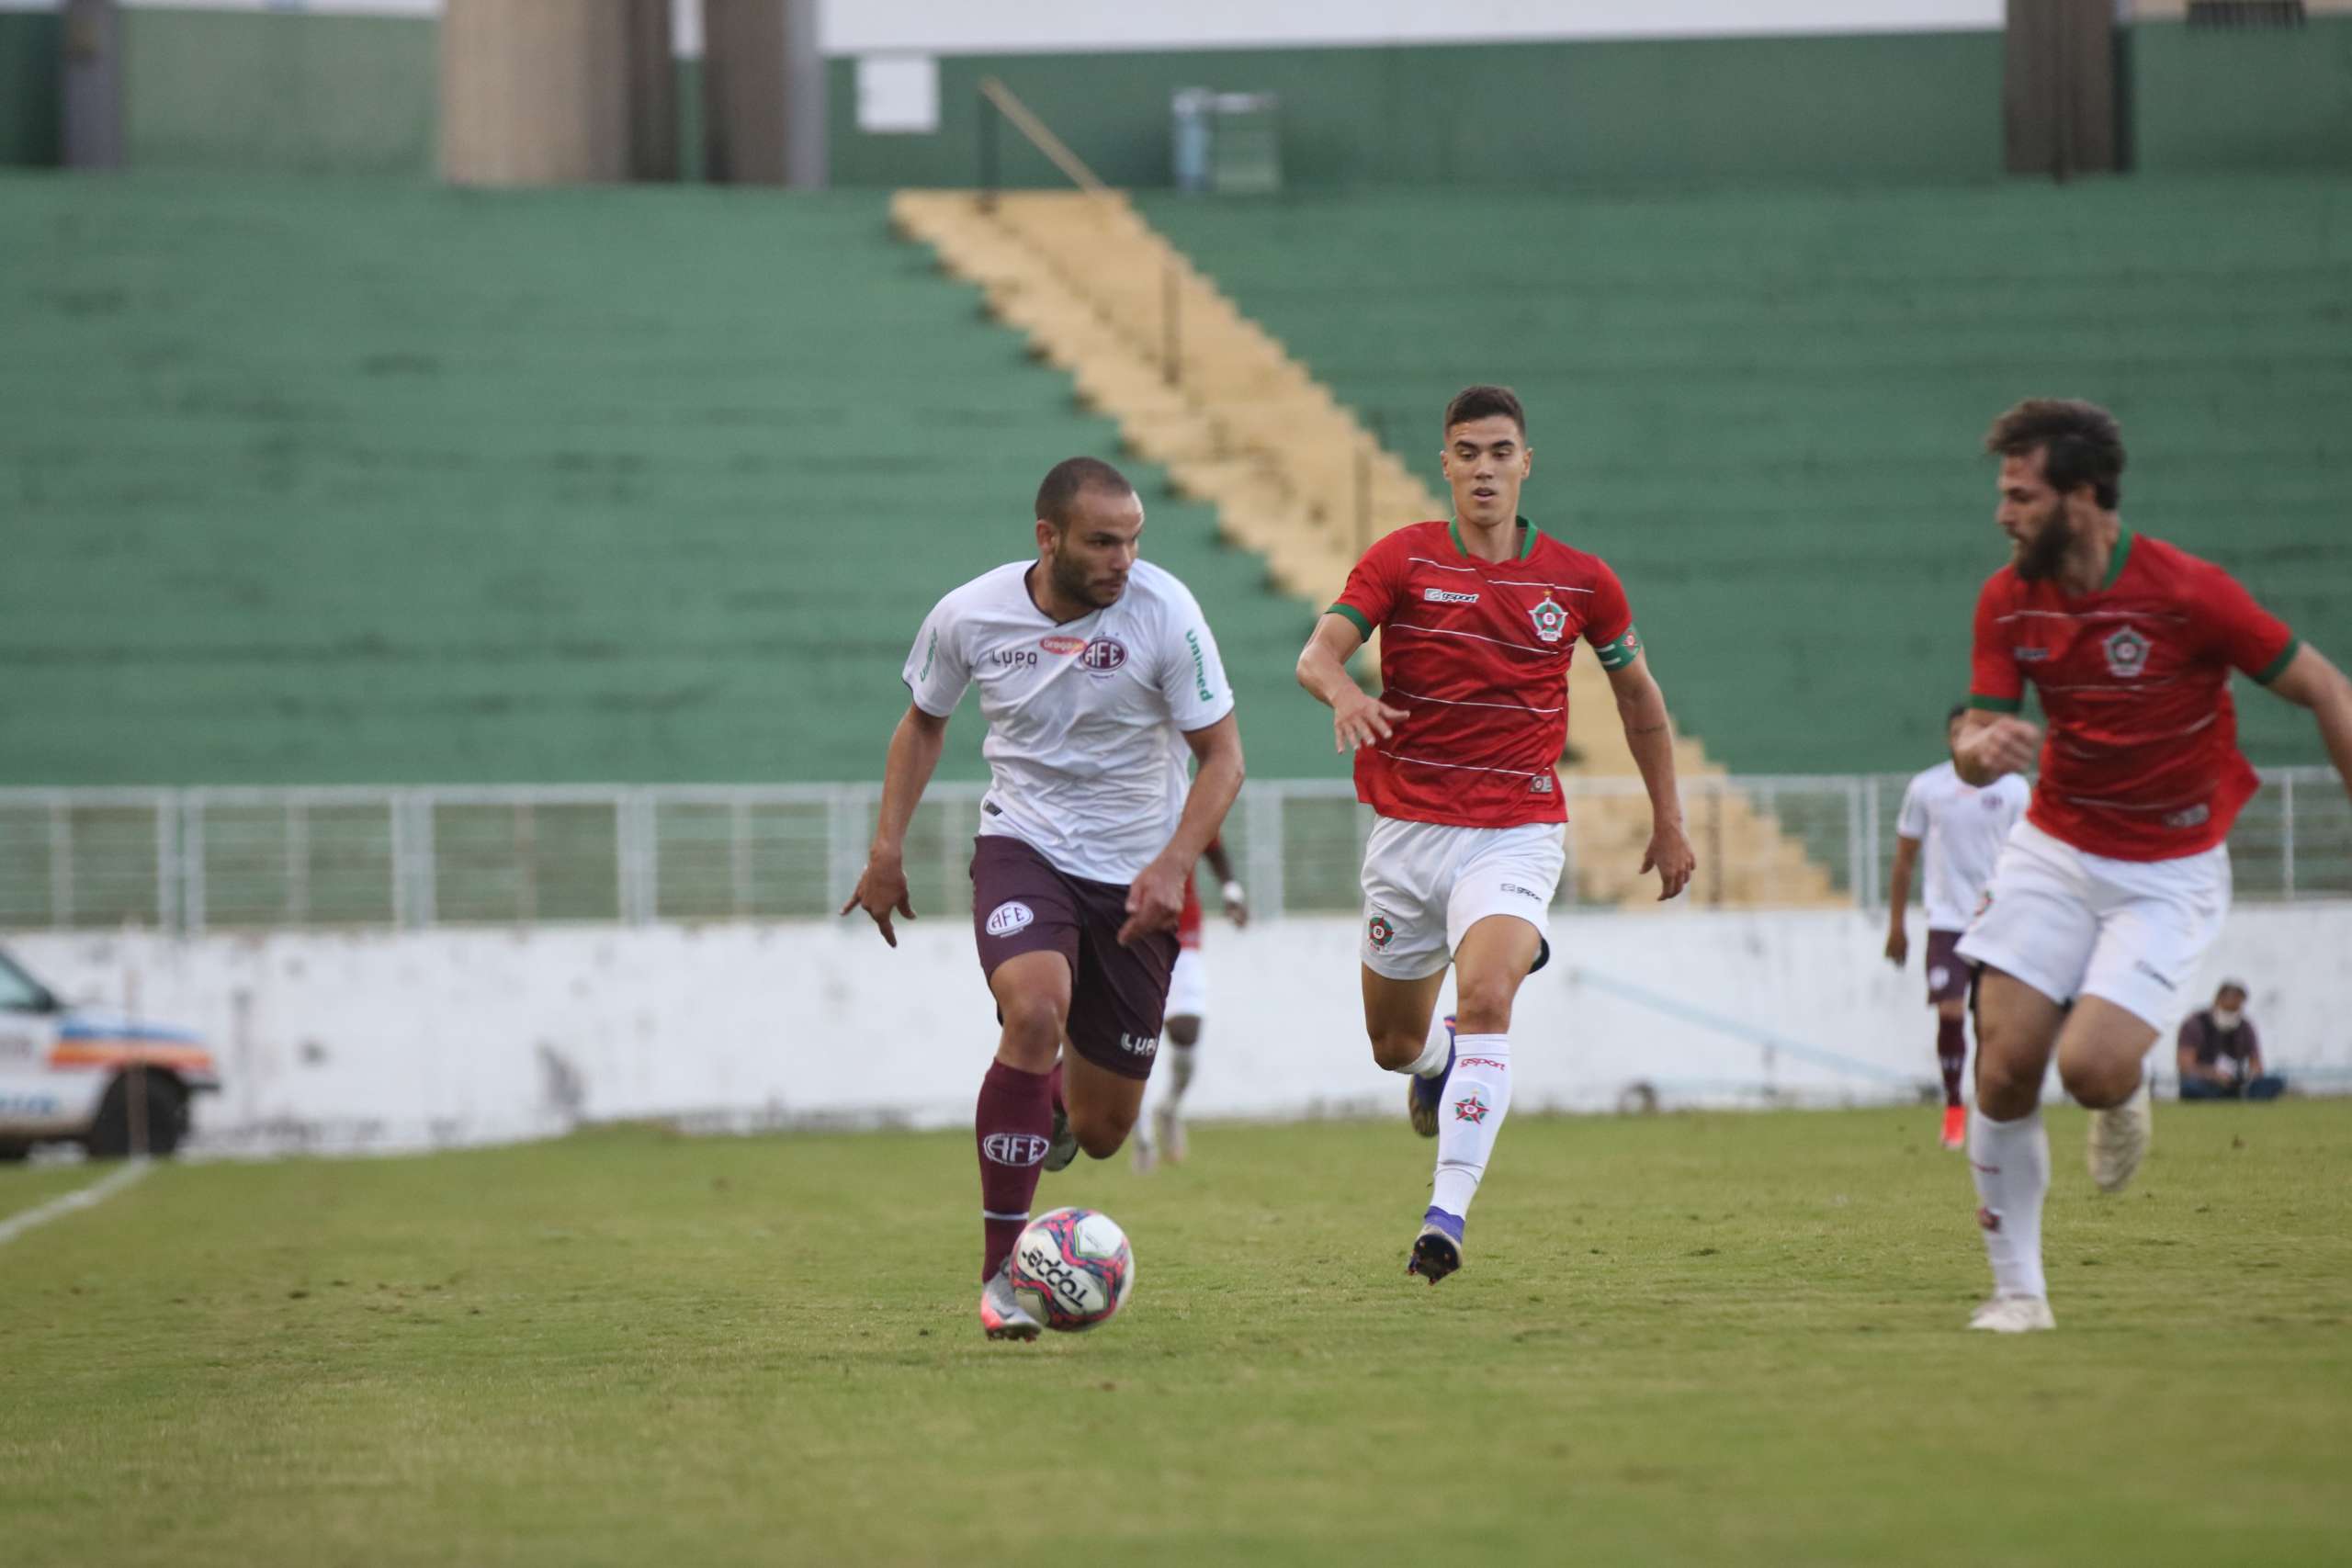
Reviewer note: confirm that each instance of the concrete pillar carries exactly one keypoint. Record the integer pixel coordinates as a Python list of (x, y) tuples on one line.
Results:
[(556, 92)]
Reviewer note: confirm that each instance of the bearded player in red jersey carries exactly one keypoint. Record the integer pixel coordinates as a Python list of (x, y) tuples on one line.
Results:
[(2108, 894), (1457, 757)]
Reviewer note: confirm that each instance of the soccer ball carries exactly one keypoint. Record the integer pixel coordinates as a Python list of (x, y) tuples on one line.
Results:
[(1073, 1269)]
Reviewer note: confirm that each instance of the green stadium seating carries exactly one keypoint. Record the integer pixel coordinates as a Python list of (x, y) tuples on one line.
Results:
[(320, 482), (1764, 409)]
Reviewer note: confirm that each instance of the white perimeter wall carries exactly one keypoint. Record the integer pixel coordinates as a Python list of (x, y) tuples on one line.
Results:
[(401, 1040)]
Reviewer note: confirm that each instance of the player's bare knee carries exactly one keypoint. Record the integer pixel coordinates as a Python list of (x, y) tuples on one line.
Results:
[(2007, 1086), (1100, 1133), (1484, 1005), (1396, 1052), (2099, 1083), (1033, 1023), (1184, 1031)]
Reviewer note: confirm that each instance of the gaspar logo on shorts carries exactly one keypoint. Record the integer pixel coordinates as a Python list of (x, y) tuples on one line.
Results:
[(1379, 932), (1102, 655), (1010, 916), (1550, 620), (1014, 1148), (2127, 654)]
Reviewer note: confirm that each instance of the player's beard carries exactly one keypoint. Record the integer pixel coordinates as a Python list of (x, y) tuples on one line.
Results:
[(1073, 584), (2044, 554)]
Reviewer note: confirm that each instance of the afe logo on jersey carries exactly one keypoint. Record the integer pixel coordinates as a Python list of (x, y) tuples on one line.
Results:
[(1550, 621), (1062, 644), (1102, 655), (2127, 654), (1009, 917)]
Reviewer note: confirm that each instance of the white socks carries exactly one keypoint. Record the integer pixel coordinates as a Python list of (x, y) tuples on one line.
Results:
[(2011, 1163), (1469, 1115), (1432, 1060), (1180, 1073)]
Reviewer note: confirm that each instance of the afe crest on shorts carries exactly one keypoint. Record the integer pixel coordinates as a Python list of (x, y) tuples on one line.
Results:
[(1009, 917)]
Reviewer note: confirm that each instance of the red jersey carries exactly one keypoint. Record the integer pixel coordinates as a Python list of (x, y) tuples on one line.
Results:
[(1476, 653), (2141, 762)]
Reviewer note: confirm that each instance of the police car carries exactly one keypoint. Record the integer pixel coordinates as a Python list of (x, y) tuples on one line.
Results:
[(78, 1074)]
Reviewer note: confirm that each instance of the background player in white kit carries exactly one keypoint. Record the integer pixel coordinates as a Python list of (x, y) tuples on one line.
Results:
[(1963, 828), (1162, 1136), (1099, 681)]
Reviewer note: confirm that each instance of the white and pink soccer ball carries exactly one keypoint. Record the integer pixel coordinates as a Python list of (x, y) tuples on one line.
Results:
[(1073, 1269)]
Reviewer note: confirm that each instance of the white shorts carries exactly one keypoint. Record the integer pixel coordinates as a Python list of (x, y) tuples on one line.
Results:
[(1188, 986), (2071, 924), (1426, 884)]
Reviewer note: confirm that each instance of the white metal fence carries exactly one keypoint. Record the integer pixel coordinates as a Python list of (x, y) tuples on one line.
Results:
[(193, 860)]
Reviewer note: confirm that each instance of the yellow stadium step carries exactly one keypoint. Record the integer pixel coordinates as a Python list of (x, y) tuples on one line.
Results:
[(1199, 389)]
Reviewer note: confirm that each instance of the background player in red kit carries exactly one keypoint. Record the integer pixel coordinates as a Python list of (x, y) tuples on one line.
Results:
[(1457, 758), (1161, 1137), (2107, 896)]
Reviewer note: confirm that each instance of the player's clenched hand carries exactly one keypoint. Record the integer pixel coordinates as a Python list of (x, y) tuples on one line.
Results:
[(2007, 745), (1359, 719), (1669, 855), (880, 890), (1898, 946), (1155, 901)]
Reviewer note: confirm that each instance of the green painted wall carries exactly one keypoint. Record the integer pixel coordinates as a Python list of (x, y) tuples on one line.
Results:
[(29, 42), (1556, 116), (2207, 100), (295, 93)]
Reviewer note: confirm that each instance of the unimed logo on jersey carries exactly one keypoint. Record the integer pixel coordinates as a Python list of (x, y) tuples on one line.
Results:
[(1010, 916), (1102, 655)]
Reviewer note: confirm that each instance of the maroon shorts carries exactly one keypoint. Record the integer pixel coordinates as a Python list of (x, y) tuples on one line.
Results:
[(1021, 903), (1947, 970)]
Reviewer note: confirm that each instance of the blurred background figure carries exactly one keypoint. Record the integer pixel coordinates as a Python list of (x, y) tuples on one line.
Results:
[(2221, 1055)]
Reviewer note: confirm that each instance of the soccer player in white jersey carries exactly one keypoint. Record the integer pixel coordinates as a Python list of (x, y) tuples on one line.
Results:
[(1458, 759), (2108, 894), (1099, 681), (1963, 828)]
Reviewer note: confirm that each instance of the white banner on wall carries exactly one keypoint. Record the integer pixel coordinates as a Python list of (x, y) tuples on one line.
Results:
[(413, 1038)]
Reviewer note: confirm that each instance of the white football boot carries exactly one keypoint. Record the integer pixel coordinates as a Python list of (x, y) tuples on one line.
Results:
[(1169, 1122), (2118, 1139), (2013, 1315), (1001, 1314)]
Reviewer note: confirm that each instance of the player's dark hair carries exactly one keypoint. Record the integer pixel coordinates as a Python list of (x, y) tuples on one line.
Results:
[(2084, 445), (1066, 479), (1957, 709), (1485, 402)]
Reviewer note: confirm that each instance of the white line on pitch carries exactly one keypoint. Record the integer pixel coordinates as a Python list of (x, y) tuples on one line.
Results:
[(88, 1197)]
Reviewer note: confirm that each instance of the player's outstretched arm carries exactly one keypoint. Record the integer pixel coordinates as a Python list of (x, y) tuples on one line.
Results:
[(2311, 682), (1649, 735), (1155, 897), (915, 746), (1358, 718)]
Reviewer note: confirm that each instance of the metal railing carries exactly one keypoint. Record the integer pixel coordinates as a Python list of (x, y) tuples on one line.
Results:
[(197, 860)]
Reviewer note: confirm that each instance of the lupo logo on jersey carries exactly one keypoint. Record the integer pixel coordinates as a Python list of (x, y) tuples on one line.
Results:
[(2127, 654), (1102, 655), (1550, 620)]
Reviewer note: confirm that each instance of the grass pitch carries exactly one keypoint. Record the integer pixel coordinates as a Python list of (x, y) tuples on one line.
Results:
[(1687, 1338)]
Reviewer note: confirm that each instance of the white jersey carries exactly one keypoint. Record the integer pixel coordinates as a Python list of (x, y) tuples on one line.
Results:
[(1086, 751), (1965, 828)]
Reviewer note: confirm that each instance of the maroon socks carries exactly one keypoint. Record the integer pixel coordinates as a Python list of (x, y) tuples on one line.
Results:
[(1012, 1125), (1952, 1055)]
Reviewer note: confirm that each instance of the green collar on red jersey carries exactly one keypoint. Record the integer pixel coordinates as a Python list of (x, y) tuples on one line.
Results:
[(1529, 533), (2122, 554)]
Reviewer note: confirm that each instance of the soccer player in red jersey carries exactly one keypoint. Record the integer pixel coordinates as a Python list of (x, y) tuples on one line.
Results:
[(1457, 757), (2108, 894)]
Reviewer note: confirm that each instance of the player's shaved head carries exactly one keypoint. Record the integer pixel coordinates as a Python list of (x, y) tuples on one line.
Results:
[(1071, 478), (2080, 442), (1485, 402)]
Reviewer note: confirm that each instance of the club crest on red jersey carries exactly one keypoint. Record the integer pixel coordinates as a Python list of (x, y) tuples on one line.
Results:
[(1550, 621), (2127, 654)]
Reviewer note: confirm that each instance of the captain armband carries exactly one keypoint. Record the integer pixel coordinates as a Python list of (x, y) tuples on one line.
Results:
[(1624, 652)]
